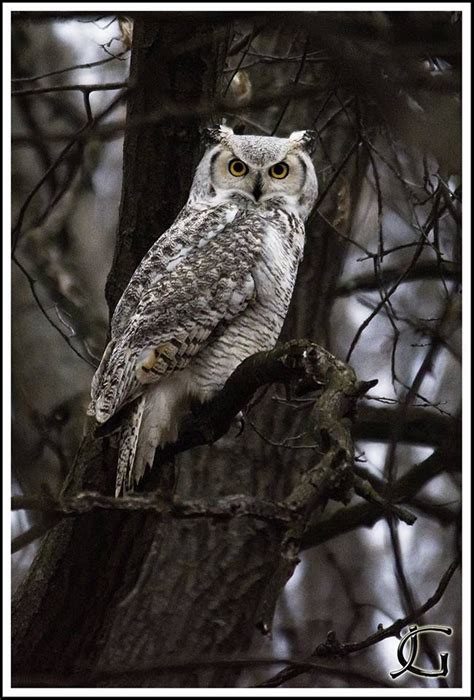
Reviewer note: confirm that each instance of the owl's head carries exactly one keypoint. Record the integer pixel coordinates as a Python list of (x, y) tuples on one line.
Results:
[(259, 170)]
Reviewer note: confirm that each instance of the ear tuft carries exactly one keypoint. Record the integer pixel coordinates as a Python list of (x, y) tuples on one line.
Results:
[(214, 134), (306, 139)]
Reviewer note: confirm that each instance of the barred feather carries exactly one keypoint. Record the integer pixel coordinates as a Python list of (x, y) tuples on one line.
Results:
[(127, 447)]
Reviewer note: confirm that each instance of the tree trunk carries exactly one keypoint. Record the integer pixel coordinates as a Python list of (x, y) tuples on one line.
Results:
[(112, 593)]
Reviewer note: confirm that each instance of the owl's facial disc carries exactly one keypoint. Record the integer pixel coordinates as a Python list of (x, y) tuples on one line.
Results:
[(234, 174), (264, 170)]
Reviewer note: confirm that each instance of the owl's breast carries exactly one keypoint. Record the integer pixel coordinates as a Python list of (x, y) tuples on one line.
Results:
[(258, 326), (277, 264)]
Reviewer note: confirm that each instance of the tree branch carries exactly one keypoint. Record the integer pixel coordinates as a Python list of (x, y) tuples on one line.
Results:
[(224, 508), (170, 108), (64, 88), (297, 360), (419, 426), (79, 66), (331, 647), (30, 535), (422, 271), (367, 514)]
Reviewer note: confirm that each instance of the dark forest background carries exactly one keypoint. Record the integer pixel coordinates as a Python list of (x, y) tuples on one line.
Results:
[(103, 152)]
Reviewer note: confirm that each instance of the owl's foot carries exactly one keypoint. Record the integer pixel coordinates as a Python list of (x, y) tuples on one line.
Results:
[(154, 361)]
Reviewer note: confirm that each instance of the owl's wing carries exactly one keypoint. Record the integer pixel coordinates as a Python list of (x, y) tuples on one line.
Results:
[(201, 291), (192, 226)]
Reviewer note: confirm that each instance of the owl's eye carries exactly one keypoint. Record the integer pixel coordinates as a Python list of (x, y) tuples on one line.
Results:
[(237, 168), (279, 170)]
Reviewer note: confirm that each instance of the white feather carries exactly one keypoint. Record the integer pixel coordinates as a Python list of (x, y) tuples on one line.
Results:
[(165, 405)]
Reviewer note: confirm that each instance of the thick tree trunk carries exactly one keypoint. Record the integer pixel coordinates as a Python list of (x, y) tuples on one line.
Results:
[(112, 592)]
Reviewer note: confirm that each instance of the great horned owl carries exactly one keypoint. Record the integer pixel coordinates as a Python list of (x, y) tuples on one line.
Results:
[(212, 290)]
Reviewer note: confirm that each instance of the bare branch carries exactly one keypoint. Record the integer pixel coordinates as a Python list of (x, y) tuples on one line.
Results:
[(226, 507), (252, 35), (331, 647), (418, 426), (364, 489), (295, 83), (367, 514), (294, 360), (80, 66), (422, 271), (188, 111), (89, 125), (32, 284), (32, 534), (66, 88)]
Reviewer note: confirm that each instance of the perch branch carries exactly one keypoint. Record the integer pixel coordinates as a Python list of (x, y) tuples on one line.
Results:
[(297, 360)]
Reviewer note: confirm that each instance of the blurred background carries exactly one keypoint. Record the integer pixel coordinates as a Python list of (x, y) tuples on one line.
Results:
[(382, 91)]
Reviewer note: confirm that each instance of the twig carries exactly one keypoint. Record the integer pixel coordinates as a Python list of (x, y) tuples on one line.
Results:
[(32, 283), (16, 232), (80, 66), (364, 489), (367, 514), (385, 296), (283, 443), (331, 647), (422, 271), (336, 174), (65, 88), (255, 31), (295, 83)]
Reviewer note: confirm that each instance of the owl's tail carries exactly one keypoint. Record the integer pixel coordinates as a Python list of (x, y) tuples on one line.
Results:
[(152, 423), (129, 434)]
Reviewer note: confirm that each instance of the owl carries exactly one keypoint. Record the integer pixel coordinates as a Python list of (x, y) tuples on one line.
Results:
[(213, 289)]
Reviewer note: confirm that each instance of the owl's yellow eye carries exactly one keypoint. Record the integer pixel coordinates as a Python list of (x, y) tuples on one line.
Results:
[(279, 170), (237, 168)]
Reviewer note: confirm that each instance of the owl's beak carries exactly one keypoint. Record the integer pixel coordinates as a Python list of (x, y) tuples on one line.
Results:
[(257, 187)]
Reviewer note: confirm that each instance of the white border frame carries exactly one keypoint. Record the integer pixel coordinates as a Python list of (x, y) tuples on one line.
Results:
[(465, 691)]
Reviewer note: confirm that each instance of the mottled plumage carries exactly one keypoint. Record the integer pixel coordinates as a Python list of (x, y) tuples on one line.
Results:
[(214, 289)]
